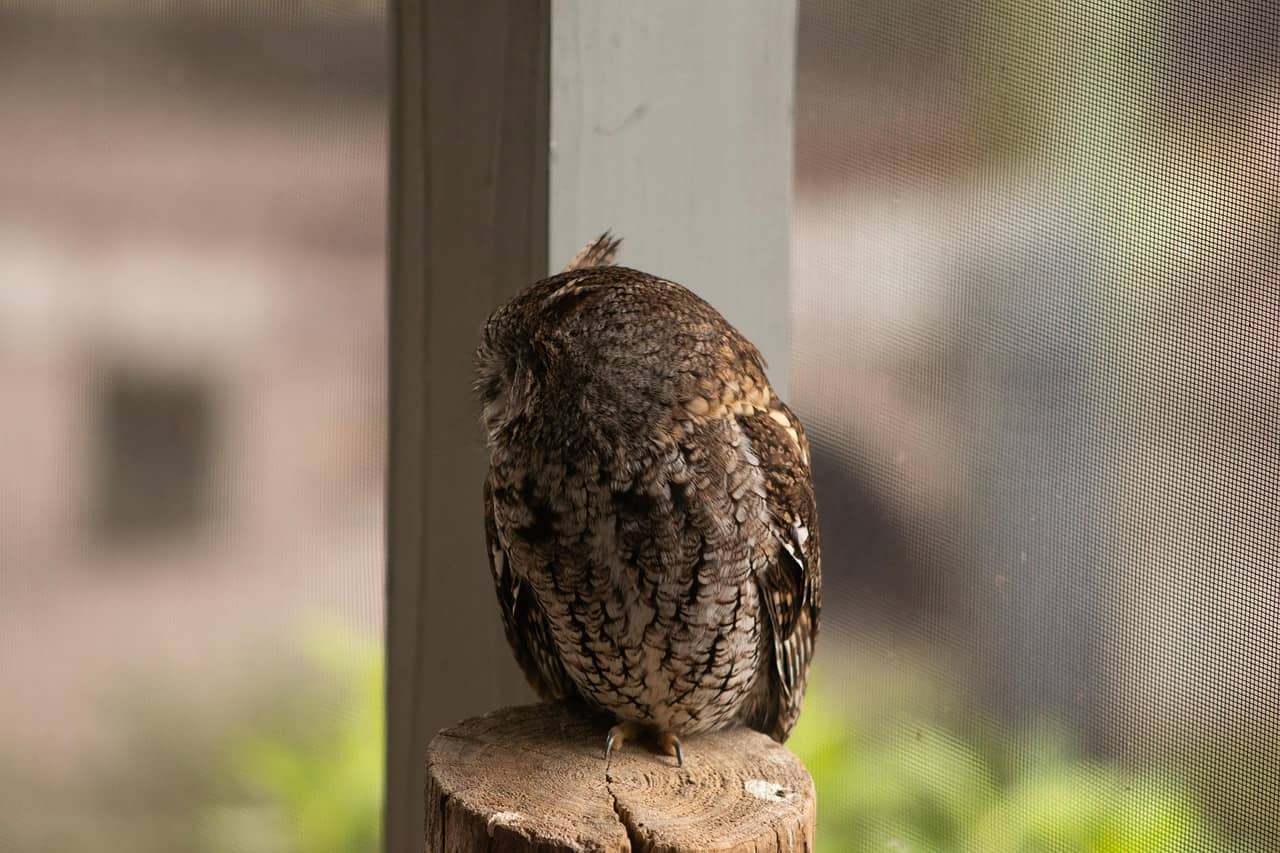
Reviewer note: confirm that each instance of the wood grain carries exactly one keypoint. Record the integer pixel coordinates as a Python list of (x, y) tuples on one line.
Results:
[(532, 778)]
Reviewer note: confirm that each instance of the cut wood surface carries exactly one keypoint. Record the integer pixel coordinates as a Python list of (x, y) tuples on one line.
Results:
[(533, 778)]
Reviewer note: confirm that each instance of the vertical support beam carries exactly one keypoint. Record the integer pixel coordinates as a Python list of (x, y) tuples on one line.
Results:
[(672, 126), (468, 197), (671, 123)]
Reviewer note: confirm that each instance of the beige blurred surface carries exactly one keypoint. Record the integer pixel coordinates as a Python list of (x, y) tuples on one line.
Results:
[(192, 221)]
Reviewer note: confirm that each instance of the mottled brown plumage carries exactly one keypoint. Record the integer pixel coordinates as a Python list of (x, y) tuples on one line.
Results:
[(651, 521)]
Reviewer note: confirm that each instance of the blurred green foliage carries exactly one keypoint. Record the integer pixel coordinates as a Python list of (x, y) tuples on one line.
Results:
[(908, 772), (316, 777), (284, 757), (293, 764)]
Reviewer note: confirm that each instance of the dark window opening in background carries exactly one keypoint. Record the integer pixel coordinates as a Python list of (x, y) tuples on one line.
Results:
[(157, 441)]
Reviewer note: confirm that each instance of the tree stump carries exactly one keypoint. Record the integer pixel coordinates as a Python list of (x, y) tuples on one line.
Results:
[(533, 778)]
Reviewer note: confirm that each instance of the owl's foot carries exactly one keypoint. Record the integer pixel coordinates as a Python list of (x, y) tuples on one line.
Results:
[(618, 735), (670, 744)]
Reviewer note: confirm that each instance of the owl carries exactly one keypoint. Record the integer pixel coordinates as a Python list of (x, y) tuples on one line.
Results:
[(649, 511)]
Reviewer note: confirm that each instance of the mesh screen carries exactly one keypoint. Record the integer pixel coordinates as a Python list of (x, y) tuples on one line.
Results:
[(192, 412), (1035, 290)]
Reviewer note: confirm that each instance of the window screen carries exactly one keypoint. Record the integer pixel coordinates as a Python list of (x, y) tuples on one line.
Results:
[(192, 412), (1035, 341)]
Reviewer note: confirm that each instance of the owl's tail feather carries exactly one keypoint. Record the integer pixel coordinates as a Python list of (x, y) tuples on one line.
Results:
[(596, 254)]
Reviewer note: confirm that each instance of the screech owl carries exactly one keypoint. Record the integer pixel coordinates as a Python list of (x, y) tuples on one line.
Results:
[(649, 510)]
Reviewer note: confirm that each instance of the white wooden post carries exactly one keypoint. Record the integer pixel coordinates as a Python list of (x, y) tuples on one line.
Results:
[(521, 129), (671, 123)]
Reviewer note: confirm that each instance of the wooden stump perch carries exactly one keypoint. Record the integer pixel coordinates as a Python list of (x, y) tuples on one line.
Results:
[(533, 779)]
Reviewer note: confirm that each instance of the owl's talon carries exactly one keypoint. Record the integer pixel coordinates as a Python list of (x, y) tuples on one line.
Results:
[(671, 746), (617, 737), (609, 743)]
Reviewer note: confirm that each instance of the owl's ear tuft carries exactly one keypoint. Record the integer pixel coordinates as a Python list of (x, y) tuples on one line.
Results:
[(599, 253)]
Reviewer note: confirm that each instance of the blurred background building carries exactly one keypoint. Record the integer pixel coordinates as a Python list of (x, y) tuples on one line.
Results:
[(1034, 320), (192, 347)]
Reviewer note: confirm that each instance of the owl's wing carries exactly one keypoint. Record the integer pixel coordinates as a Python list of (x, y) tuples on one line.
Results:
[(522, 618), (790, 582)]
